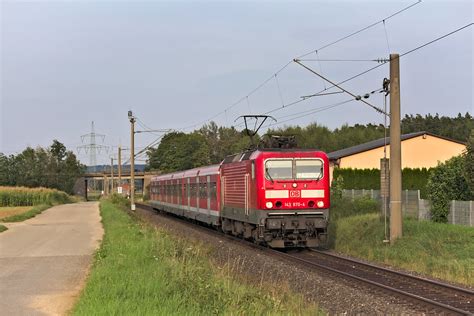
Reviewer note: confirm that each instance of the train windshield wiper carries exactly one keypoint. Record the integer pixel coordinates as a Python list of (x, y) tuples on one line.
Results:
[(320, 174), (268, 174)]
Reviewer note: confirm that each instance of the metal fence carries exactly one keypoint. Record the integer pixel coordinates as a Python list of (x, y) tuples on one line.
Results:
[(460, 212)]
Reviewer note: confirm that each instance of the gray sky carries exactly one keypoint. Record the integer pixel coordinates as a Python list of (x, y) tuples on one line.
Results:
[(178, 63)]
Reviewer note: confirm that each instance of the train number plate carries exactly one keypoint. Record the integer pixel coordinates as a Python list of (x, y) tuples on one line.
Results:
[(294, 204), (295, 194)]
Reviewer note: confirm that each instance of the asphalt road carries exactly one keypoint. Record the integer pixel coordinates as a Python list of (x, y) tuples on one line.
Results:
[(44, 261)]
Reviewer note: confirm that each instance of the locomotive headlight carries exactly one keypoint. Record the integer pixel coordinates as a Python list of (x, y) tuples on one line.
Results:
[(320, 204), (269, 204), (295, 185)]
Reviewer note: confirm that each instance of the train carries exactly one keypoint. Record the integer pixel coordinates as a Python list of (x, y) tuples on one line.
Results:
[(275, 197)]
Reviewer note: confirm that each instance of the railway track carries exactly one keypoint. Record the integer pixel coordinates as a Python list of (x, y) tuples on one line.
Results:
[(437, 297), (431, 297)]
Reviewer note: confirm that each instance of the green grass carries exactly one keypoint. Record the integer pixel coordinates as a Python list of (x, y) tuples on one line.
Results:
[(439, 250), (3, 228), (140, 270), (26, 215)]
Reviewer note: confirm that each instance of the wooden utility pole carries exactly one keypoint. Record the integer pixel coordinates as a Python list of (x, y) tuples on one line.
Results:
[(119, 166), (132, 160), (112, 173), (395, 151)]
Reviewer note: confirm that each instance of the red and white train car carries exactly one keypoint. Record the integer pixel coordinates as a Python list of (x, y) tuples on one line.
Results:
[(279, 197)]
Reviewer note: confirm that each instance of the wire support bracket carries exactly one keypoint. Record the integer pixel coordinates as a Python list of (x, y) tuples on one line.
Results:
[(356, 97)]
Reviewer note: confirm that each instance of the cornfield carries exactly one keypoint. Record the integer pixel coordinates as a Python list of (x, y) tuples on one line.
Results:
[(22, 196)]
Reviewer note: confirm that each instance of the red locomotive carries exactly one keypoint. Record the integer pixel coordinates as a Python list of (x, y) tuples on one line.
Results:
[(278, 197)]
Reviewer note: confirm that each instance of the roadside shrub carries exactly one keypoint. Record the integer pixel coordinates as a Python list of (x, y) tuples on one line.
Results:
[(343, 208), (365, 205), (337, 186), (119, 199)]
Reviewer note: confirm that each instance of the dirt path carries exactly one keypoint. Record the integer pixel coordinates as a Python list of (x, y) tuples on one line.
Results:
[(44, 260)]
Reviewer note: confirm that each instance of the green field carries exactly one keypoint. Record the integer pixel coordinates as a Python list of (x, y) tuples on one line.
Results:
[(22, 196), (439, 250), (140, 270)]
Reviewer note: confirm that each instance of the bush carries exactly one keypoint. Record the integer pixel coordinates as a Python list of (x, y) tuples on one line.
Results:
[(119, 199), (446, 183)]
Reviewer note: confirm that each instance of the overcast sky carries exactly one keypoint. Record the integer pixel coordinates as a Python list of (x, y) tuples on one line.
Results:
[(178, 63)]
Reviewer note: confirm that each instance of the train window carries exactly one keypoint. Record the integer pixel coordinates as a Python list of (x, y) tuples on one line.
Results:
[(213, 190), (203, 190), (193, 189), (279, 169), (309, 168)]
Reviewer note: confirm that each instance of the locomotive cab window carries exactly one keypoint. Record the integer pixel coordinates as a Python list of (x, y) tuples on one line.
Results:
[(279, 169), (308, 169)]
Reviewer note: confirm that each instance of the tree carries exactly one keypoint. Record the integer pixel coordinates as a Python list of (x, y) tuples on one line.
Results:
[(4, 170), (446, 183), (469, 163), (54, 167), (179, 151)]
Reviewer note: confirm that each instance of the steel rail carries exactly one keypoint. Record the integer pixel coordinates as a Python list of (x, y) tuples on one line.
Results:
[(425, 301), (414, 277)]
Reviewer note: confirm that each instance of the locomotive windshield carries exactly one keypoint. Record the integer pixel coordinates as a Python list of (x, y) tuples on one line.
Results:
[(279, 169), (299, 169), (309, 169)]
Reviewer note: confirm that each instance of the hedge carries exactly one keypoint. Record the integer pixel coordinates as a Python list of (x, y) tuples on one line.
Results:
[(412, 179)]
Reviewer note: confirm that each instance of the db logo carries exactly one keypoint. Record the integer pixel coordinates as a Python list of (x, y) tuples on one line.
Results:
[(295, 194)]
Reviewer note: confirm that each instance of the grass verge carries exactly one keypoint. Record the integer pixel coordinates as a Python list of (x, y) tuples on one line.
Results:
[(142, 270), (439, 250), (3, 228), (35, 210)]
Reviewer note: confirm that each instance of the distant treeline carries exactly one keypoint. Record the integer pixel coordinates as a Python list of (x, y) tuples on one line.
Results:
[(53, 167), (211, 144)]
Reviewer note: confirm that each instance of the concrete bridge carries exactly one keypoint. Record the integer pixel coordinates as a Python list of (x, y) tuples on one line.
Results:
[(92, 185)]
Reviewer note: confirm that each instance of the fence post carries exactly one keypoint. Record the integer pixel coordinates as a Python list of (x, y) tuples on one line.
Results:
[(418, 204), (453, 205), (372, 194), (352, 194), (470, 213)]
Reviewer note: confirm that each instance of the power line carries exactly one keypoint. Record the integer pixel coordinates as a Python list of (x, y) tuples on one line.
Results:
[(306, 113), (359, 31), (382, 62), (342, 60), (289, 62), (357, 97), (437, 39)]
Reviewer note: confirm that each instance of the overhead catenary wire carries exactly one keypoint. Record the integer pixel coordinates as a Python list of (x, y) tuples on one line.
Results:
[(358, 98), (299, 57), (327, 107), (383, 62), (309, 112), (358, 31)]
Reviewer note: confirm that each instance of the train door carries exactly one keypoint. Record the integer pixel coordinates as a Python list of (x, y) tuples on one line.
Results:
[(208, 189), (179, 191), (203, 194), (188, 193)]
